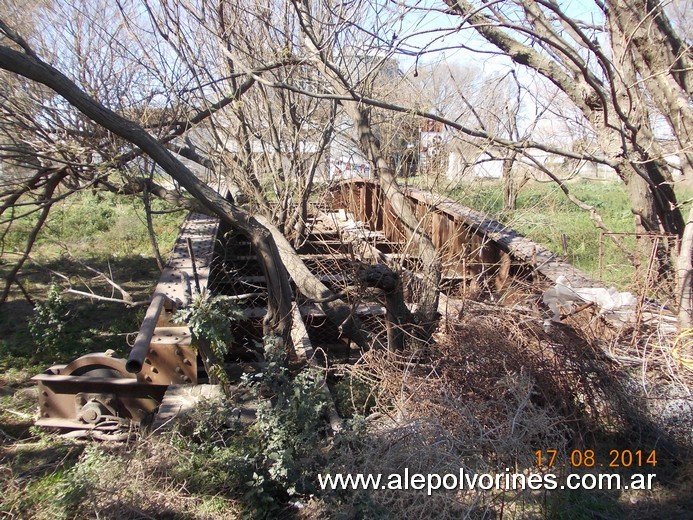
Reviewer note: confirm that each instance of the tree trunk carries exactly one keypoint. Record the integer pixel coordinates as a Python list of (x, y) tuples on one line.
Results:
[(339, 313), (397, 315), (510, 186), (616, 111), (430, 269), (684, 276), (278, 318)]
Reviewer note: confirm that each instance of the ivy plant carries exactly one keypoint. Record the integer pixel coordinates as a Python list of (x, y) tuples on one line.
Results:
[(210, 318)]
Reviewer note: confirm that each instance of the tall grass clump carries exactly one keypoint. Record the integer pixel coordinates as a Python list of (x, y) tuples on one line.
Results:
[(544, 214)]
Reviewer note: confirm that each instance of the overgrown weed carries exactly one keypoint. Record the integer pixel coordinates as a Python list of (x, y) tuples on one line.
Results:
[(495, 388)]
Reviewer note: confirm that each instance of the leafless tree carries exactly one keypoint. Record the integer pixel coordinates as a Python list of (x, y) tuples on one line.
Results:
[(618, 65), (357, 68), (123, 137), (608, 71), (264, 87)]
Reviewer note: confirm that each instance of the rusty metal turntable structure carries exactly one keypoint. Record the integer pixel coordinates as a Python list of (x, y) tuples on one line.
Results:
[(356, 226)]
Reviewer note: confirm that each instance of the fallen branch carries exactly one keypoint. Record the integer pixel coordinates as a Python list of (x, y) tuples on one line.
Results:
[(580, 308), (19, 414), (127, 299), (95, 296)]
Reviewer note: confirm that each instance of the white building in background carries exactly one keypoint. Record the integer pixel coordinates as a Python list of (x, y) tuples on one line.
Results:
[(484, 167), (345, 159), (481, 165)]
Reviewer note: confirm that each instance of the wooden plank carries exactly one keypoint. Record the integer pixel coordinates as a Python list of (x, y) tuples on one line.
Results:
[(177, 278)]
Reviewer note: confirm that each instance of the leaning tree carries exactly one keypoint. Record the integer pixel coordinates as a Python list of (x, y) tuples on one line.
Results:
[(119, 136), (621, 66), (253, 76)]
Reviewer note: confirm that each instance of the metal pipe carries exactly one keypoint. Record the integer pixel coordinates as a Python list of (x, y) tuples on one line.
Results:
[(144, 336)]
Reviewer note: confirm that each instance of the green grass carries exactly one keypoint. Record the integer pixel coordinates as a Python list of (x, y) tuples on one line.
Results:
[(204, 473), (544, 214), (100, 225), (106, 232)]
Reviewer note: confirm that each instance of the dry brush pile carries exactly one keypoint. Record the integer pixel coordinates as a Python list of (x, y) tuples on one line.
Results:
[(494, 388)]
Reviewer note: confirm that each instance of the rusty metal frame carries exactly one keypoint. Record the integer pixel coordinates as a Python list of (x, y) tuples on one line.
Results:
[(97, 390)]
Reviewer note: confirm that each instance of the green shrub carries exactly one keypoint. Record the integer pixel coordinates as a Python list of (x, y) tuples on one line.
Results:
[(265, 464), (210, 319), (47, 325)]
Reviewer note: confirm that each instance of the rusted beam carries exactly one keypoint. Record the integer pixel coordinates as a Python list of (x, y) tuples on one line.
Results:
[(489, 238)]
